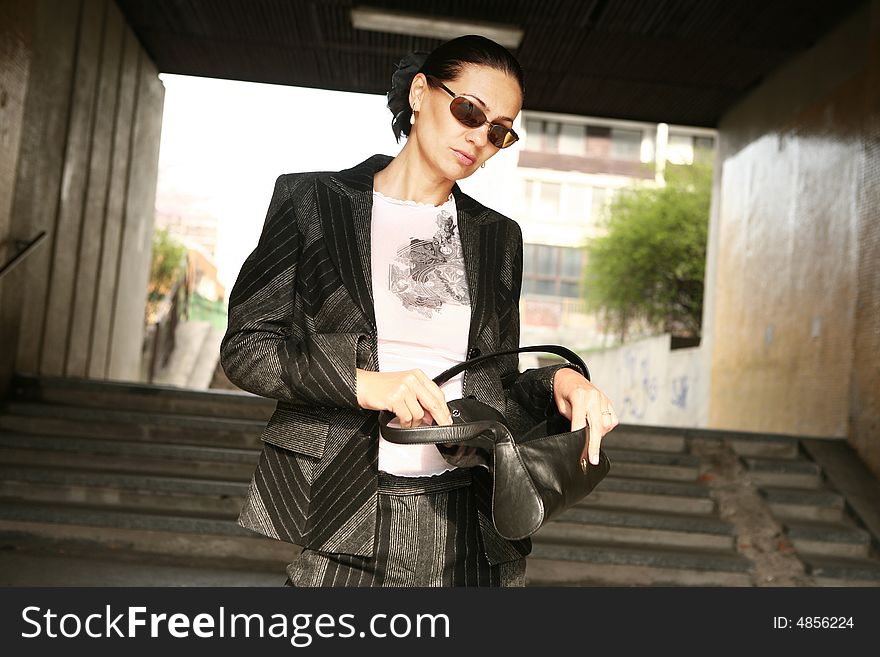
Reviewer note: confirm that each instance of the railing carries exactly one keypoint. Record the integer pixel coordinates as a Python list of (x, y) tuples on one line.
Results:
[(25, 248)]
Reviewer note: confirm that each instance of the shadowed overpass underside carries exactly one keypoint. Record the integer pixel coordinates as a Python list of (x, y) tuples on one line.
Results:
[(676, 61)]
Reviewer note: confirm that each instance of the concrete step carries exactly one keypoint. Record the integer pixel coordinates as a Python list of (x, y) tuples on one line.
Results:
[(764, 446), (549, 565), (830, 571), (651, 495), (123, 518), (241, 550), (615, 565), (584, 526), (42, 567), (784, 473), (143, 397), (653, 465), (26, 417), (227, 464), (557, 572), (633, 439), (796, 503), (828, 539), (218, 499)]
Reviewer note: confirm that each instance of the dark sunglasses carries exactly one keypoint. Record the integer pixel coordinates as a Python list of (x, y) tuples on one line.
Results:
[(468, 114)]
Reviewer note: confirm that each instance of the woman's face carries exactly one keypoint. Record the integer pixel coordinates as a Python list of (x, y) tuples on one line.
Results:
[(451, 148)]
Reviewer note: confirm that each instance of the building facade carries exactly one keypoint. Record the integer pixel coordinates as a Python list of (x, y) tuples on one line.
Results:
[(569, 169)]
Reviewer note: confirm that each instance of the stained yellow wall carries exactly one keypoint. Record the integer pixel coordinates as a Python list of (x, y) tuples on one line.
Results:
[(793, 275)]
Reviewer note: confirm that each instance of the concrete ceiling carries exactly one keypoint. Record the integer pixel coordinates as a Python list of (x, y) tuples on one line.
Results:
[(678, 61)]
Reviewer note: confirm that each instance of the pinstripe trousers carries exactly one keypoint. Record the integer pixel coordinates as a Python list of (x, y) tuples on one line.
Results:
[(427, 534)]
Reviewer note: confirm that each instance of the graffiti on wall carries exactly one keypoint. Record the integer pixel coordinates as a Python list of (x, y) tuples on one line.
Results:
[(650, 384), (640, 385), (679, 391)]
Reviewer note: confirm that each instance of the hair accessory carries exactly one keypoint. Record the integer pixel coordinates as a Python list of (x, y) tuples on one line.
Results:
[(401, 80), (407, 68)]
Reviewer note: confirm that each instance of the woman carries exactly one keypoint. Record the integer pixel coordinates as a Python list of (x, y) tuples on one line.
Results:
[(365, 284)]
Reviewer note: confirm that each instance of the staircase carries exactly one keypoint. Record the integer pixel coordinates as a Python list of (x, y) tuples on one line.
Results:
[(158, 473), (103, 468), (652, 521), (713, 508)]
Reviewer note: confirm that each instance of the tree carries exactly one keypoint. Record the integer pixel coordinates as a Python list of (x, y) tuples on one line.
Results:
[(650, 265), (168, 263)]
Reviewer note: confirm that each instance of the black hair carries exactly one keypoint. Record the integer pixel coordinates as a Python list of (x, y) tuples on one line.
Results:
[(445, 63)]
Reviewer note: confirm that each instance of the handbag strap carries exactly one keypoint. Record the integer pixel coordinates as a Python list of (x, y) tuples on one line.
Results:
[(559, 350), (462, 433), (444, 433)]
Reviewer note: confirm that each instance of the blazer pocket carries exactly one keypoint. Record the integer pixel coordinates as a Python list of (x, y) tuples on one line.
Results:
[(298, 430)]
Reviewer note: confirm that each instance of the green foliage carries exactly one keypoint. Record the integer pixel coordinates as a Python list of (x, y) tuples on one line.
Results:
[(167, 266), (168, 262), (649, 267)]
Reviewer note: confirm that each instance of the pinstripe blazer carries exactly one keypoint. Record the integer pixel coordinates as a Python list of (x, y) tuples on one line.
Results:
[(301, 321)]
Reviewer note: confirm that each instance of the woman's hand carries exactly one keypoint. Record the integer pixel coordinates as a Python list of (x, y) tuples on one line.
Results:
[(584, 404), (410, 395)]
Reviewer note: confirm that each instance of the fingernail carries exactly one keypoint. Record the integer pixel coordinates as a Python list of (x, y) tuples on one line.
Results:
[(594, 459)]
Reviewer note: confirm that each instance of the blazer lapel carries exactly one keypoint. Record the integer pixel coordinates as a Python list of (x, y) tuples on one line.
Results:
[(345, 205), (472, 228)]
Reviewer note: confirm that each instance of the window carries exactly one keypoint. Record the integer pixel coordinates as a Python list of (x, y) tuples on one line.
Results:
[(578, 209), (551, 137), (680, 149), (534, 135), (542, 199), (571, 139), (687, 149), (552, 270), (571, 203), (555, 137), (626, 144), (548, 200), (529, 187), (570, 263), (600, 200), (704, 149), (704, 143)]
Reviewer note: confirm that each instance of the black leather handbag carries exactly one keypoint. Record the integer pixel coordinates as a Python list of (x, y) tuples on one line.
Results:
[(536, 475)]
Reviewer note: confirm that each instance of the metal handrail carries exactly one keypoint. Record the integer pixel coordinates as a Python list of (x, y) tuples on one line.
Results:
[(25, 248)]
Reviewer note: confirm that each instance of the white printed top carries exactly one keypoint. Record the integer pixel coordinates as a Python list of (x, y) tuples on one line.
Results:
[(422, 307)]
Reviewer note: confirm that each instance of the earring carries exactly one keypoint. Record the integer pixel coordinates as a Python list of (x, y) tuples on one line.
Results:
[(412, 118), (483, 165)]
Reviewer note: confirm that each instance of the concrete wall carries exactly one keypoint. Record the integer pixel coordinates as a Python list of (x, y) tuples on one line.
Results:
[(86, 172), (15, 63), (792, 313), (648, 383)]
